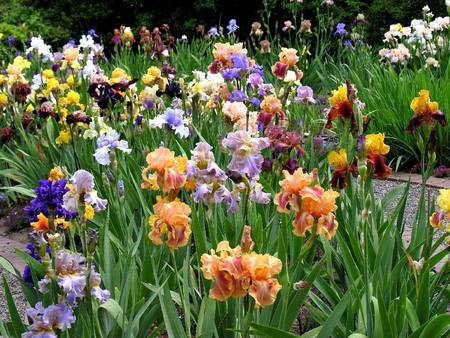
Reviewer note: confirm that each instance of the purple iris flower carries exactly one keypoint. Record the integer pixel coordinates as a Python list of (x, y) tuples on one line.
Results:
[(255, 102), (92, 33), (305, 94), (232, 26), (257, 194), (255, 79), (71, 277), (26, 275), (45, 320), (257, 69), (202, 192), (340, 29), (172, 118), (148, 104), (231, 73), (238, 95), (266, 89), (213, 32), (58, 57), (245, 152), (49, 198), (239, 61), (11, 40), (106, 143), (138, 120), (348, 44)]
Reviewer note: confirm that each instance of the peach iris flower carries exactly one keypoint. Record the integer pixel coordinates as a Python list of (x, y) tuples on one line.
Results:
[(288, 56), (236, 274), (169, 171), (313, 206), (170, 219)]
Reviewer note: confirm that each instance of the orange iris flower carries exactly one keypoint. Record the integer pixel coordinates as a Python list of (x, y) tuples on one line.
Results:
[(170, 219), (236, 274)]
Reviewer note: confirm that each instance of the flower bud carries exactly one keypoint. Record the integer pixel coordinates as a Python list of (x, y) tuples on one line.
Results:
[(300, 285), (39, 243), (121, 188), (56, 241), (247, 242), (92, 240)]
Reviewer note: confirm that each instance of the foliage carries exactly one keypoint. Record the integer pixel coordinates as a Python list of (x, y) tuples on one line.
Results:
[(21, 17), (319, 241)]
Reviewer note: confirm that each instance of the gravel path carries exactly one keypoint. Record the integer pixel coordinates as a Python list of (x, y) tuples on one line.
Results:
[(16, 292), (380, 189)]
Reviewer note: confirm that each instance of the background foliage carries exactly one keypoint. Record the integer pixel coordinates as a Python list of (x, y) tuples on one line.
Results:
[(60, 20)]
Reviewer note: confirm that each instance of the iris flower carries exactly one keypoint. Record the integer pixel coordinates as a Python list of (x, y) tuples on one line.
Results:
[(237, 272), (232, 26), (246, 152), (82, 190), (426, 112), (173, 119), (45, 321), (108, 142)]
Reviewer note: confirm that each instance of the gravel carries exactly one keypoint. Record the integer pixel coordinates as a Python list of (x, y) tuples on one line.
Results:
[(381, 188), (16, 292)]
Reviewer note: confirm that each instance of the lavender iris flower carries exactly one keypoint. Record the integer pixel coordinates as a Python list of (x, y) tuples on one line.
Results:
[(240, 61), (70, 269), (305, 94), (255, 102), (213, 32), (238, 95), (106, 143), (231, 73), (257, 69), (46, 320), (348, 44), (266, 89), (210, 186), (257, 194), (83, 186), (232, 26), (172, 118), (70, 44), (255, 79), (245, 151), (92, 33), (340, 29)]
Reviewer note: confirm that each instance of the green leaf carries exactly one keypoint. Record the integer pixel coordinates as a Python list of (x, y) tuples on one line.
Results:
[(297, 298), (16, 321), (411, 314), (206, 318), (115, 310), (171, 318), (437, 326), (20, 190), (423, 299), (333, 320), (134, 325), (8, 266), (269, 331)]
